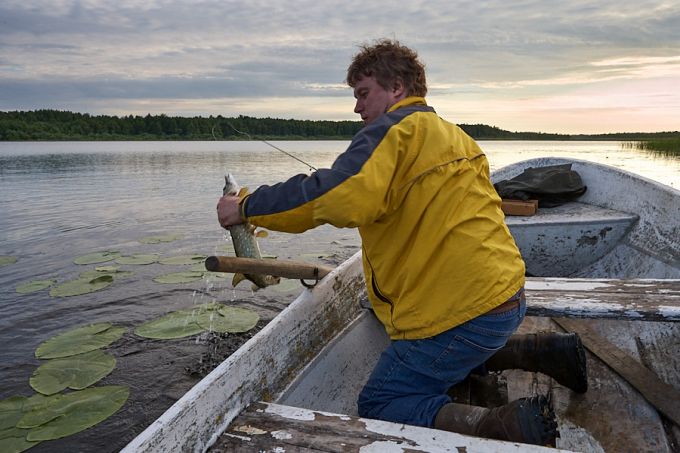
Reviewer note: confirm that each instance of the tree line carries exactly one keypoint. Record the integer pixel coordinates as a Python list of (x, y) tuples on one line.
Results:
[(64, 125)]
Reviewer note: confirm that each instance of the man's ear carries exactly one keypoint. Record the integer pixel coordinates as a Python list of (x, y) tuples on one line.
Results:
[(399, 89)]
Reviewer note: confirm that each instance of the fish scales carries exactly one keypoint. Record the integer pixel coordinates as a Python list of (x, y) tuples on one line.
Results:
[(244, 240)]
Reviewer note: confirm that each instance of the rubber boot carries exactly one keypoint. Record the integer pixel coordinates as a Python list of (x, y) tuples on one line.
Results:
[(558, 355), (527, 420)]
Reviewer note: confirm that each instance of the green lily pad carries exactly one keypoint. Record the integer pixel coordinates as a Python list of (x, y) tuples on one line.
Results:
[(220, 275), (34, 285), (10, 411), (79, 340), (287, 285), (178, 324), (5, 260), (114, 273), (97, 257), (137, 259), (179, 277), (13, 439), (81, 286), (61, 415), (76, 372), (183, 259), (228, 320), (160, 238)]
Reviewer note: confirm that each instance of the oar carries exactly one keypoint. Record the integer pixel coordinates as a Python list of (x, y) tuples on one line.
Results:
[(277, 268)]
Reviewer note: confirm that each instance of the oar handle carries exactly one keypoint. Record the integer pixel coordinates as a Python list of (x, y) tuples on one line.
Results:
[(277, 268)]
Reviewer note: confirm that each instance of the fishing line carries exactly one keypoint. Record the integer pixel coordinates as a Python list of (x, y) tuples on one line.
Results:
[(311, 167)]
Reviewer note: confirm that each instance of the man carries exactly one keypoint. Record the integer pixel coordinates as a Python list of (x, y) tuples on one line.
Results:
[(443, 273)]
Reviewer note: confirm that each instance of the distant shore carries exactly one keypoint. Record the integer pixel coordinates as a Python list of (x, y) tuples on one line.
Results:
[(56, 125)]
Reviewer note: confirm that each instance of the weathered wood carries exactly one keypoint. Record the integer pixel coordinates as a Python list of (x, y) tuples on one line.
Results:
[(633, 299), (661, 395), (274, 427), (277, 268)]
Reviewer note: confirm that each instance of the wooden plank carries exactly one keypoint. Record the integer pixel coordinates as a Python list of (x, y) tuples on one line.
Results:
[(662, 396), (274, 427), (519, 207), (633, 299)]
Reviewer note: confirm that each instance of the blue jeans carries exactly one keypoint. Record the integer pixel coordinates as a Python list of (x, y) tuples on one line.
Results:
[(410, 380)]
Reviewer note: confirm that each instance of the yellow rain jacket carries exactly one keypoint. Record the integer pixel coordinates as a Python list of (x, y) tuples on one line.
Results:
[(436, 250)]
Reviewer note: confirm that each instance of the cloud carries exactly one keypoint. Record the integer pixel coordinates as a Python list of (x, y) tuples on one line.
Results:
[(96, 54)]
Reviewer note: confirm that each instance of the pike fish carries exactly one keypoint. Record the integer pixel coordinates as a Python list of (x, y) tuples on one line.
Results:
[(245, 240)]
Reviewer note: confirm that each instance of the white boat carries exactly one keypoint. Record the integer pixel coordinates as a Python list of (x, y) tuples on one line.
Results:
[(613, 256)]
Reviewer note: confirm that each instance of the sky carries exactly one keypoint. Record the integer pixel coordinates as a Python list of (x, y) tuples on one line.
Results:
[(566, 66)]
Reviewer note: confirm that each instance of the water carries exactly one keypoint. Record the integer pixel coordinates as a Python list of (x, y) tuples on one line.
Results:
[(62, 200)]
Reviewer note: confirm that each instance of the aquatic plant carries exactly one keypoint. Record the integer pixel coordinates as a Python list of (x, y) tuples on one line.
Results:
[(81, 339), (34, 285), (213, 317), (97, 257), (81, 286), (75, 372), (160, 238), (137, 259), (6, 259), (183, 259), (664, 146), (60, 415)]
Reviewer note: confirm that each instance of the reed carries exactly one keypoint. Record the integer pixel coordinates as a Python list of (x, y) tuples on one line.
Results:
[(665, 146)]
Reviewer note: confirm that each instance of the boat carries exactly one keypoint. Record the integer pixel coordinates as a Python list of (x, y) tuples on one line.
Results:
[(606, 266)]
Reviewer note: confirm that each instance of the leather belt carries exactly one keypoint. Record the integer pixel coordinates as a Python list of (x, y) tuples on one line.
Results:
[(508, 305)]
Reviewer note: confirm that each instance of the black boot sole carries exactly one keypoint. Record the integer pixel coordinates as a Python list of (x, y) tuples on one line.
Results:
[(537, 421)]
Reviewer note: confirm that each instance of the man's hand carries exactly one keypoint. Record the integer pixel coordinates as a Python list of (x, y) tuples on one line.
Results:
[(229, 211)]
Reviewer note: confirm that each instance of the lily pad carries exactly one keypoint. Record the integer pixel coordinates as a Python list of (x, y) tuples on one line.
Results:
[(10, 411), (179, 277), (97, 257), (76, 372), (79, 340), (101, 271), (137, 259), (61, 415), (183, 259), (287, 285), (13, 440), (81, 286), (228, 320), (178, 324), (160, 238), (5, 260), (34, 285)]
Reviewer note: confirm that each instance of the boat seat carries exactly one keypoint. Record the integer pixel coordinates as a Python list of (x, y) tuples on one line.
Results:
[(274, 427), (564, 240), (574, 212)]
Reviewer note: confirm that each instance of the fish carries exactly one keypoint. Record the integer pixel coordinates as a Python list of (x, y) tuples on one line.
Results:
[(244, 238)]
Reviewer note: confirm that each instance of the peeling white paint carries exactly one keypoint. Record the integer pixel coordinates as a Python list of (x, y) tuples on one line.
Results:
[(279, 450), (434, 441), (281, 435), (564, 285), (293, 413), (236, 436), (669, 311)]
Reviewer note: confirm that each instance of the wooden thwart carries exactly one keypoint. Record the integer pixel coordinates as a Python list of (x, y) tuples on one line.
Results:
[(661, 395), (274, 427), (277, 268), (634, 299)]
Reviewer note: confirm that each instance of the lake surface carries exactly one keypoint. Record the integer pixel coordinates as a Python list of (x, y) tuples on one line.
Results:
[(60, 200)]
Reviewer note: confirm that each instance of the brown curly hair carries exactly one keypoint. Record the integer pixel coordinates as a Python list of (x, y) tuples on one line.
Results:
[(388, 61)]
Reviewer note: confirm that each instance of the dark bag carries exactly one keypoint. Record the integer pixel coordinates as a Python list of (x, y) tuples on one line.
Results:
[(551, 186)]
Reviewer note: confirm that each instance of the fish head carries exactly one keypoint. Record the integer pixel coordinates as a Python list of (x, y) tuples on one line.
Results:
[(231, 187)]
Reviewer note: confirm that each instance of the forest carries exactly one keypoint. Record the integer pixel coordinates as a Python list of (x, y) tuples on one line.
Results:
[(55, 125)]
